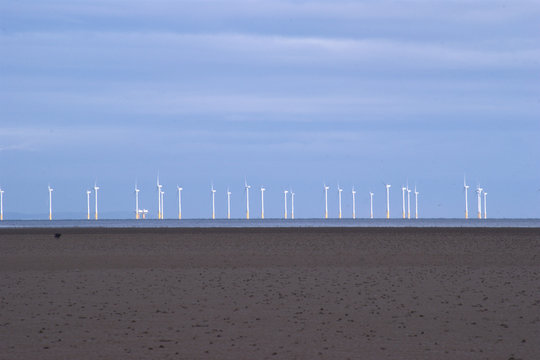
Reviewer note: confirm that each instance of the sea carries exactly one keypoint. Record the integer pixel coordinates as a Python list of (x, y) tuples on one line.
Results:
[(271, 223)]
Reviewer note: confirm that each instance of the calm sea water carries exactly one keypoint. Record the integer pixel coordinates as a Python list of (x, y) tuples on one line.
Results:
[(239, 223)]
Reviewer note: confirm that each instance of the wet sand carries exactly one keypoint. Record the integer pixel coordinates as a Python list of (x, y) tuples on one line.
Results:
[(328, 293)]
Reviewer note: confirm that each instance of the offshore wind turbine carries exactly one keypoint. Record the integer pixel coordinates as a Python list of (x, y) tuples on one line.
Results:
[(353, 203), (159, 196), (485, 205), (292, 204), (50, 202), (228, 204), (179, 188), (416, 201), (247, 198), (88, 192), (326, 201), (408, 202), (479, 194), (371, 204), (262, 201), (388, 186), (466, 190), (285, 192), (96, 188), (403, 189), (340, 190), (1, 204), (136, 202), (213, 202)]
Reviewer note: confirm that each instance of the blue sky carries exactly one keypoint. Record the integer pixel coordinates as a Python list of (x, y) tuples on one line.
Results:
[(284, 93)]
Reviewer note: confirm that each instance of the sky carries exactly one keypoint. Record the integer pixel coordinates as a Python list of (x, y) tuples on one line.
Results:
[(286, 94)]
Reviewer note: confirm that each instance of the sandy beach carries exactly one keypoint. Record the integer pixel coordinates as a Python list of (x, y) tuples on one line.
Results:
[(289, 293)]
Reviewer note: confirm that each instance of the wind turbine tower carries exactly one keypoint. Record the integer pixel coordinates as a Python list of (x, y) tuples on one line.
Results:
[(416, 201), (408, 202), (88, 192), (179, 201), (292, 204), (340, 190), (96, 188), (159, 197), (466, 190), (247, 198), (485, 205), (388, 186), (326, 201), (353, 203), (403, 189), (213, 203), (371, 204), (285, 196), (228, 204), (479, 194), (136, 202), (1, 205), (262, 201), (50, 202)]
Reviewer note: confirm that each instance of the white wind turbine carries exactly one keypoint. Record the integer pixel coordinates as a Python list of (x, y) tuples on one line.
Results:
[(247, 198), (179, 188), (285, 192), (50, 202), (408, 202), (262, 201), (388, 186), (292, 204), (228, 204), (479, 194), (1, 204), (485, 205), (159, 196), (466, 190), (353, 203), (416, 201), (340, 190), (213, 202), (96, 188), (136, 202), (326, 201), (403, 189), (88, 192), (371, 204)]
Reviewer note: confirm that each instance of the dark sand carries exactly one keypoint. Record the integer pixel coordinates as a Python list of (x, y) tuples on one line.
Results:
[(384, 293)]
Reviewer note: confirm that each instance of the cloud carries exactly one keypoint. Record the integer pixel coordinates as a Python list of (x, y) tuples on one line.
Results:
[(479, 10), (160, 48)]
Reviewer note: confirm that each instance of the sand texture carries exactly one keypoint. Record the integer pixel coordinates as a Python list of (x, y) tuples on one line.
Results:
[(330, 293)]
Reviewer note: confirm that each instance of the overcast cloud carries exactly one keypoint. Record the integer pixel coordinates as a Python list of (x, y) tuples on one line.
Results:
[(285, 93)]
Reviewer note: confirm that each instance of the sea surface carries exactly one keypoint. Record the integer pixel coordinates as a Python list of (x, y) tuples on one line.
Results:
[(254, 223)]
